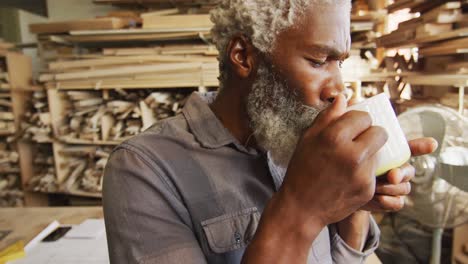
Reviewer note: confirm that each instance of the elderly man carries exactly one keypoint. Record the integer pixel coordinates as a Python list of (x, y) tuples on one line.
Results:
[(272, 169)]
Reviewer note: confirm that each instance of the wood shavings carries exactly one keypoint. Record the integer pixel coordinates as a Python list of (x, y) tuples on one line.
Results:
[(121, 115), (36, 123), (85, 166), (10, 183), (45, 179)]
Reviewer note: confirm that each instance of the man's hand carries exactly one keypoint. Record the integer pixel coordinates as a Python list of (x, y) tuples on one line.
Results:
[(330, 176), (395, 185)]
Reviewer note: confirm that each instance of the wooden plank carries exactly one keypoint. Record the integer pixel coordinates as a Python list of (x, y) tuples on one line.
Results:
[(163, 12), (456, 46), (130, 37), (20, 73), (25, 150), (135, 31), (206, 77), (443, 16), (462, 32), (167, 50), (457, 80), (430, 29), (77, 141), (113, 61), (394, 41), (177, 21), (402, 4), (119, 71), (135, 84), (457, 66), (88, 24)]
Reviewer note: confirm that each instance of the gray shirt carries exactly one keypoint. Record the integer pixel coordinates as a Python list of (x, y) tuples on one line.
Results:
[(186, 191)]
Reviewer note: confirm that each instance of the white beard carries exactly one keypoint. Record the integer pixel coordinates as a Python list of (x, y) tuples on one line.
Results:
[(277, 115)]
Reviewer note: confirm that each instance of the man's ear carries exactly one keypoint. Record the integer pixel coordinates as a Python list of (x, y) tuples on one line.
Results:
[(241, 55)]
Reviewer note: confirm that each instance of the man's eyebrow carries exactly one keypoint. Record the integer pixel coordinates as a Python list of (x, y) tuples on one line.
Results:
[(328, 50)]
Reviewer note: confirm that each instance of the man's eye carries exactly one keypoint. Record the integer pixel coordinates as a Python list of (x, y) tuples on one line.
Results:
[(316, 63)]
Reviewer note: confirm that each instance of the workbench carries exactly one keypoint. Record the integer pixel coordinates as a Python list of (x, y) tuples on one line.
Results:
[(26, 223)]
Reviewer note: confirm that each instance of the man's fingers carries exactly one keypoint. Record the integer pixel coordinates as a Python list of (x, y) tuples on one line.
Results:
[(401, 189), (353, 122), (402, 174), (372, 140), (422, 146), (389, 203), (327, 116)]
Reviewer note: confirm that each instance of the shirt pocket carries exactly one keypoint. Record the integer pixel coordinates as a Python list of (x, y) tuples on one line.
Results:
[(231, 231)]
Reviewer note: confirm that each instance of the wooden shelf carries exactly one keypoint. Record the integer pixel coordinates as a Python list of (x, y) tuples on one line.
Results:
[(456, 80), (76, 141), (402, 4)]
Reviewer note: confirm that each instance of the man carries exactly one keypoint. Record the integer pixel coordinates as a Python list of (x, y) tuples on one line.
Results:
[(270, 171)]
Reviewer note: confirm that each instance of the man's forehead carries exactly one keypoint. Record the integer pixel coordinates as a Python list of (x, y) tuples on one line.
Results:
[(327, 28)]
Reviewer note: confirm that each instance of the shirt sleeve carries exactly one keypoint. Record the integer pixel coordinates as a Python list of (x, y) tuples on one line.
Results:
[(145, 220), (342, 253)]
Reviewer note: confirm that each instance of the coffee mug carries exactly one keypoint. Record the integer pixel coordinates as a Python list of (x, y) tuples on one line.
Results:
[(396, 151)]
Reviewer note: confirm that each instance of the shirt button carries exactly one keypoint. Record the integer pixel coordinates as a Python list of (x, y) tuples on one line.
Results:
[(237, 237)]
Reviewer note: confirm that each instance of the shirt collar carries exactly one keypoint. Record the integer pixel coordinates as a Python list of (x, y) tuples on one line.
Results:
[(206, 127)]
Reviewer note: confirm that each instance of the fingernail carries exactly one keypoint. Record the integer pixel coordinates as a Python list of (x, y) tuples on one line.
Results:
[(435, 144)]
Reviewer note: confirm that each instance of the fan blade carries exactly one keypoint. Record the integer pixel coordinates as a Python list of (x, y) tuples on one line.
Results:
[(455, 175)]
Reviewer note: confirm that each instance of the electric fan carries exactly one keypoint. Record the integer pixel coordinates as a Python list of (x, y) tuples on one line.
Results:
[(439, 198)]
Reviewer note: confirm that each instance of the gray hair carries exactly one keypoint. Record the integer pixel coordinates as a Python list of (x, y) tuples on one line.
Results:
[(261, 21)]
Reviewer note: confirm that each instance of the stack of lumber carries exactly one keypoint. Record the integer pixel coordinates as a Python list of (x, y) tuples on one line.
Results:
[(111, 77), (113, 116), (10, 184), (7, 125), (129, 27), (36, 123), (44, 179), (441, 29), (364, 24), (84, 167), (165, 66)]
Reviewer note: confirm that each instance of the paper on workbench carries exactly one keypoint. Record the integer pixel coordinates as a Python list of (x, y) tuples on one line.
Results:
[(69, 251), (87, 244), (90, 228)]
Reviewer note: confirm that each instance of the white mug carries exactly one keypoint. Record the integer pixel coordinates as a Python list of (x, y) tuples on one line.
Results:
[(396, 151)]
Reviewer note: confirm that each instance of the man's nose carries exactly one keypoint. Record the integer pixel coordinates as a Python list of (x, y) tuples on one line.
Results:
[(332, 89)]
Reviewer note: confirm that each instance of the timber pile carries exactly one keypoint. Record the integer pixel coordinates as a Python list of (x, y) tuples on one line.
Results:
[(364, 25), (44, 179), (441, 28), (129, 27), (36, 123), (115, 116), (123, 72), (7, 125), (10, 184), (84, 167), (168, 66)]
